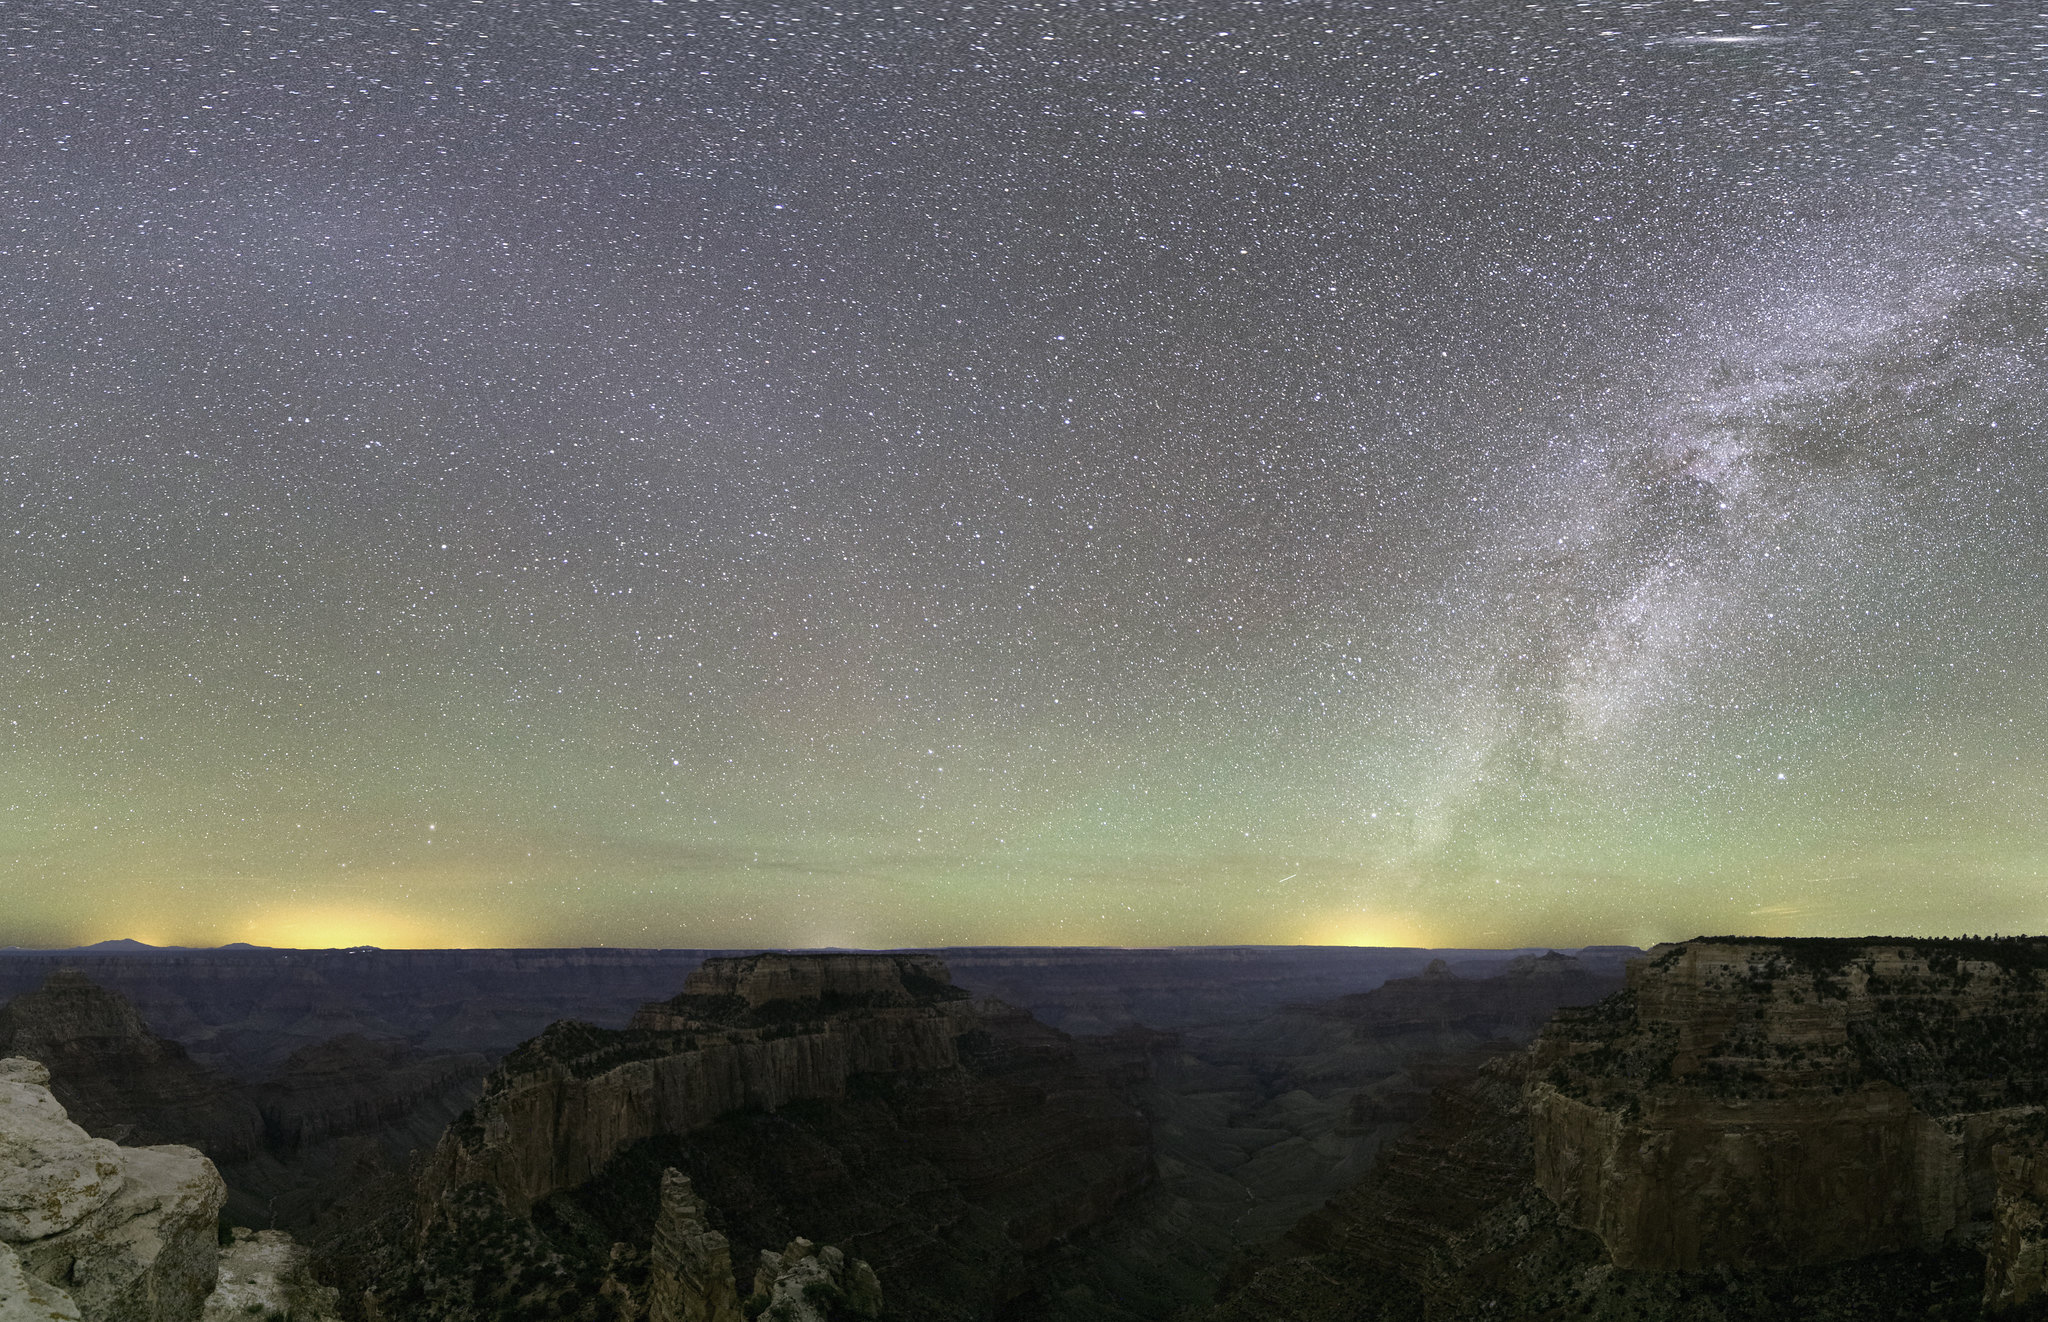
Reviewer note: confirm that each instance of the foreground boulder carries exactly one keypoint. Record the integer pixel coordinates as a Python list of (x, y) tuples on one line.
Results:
[(114, 1234), (23, 1298)]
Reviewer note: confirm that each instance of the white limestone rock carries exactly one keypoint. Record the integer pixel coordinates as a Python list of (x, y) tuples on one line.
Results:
[(23, 1298), (52, 1173), (265, 1273), (127, 1233)]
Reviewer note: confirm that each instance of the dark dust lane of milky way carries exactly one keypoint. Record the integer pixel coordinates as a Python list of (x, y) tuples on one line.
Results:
[(660, 473)]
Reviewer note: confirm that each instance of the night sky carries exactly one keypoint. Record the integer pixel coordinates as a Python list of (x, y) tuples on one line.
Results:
[(677, 474)]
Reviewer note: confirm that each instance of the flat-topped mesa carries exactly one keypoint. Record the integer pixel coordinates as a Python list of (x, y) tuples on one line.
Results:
[(1751, 1103), (754, 989), (760, 1031)]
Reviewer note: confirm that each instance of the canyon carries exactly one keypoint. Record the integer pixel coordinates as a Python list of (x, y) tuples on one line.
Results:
[(1722, 1129), (1229, 1092)]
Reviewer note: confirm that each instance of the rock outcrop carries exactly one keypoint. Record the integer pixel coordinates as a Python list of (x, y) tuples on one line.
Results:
[(266, 1274), (805, 1283), (1789, 1104), (118, 1234), (1819, 1129), (852, 1099), (690, 1277)]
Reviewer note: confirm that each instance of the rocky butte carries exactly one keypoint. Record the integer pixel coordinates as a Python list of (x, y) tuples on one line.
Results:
[(760, 1031), (1812, 1128), (778, 1102)]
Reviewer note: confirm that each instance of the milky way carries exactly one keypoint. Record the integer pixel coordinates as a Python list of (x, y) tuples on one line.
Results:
[(676, 474)]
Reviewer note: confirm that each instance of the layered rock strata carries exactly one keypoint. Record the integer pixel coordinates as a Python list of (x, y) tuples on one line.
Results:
[(1511, 1004), (691, 1277), (1823, 1129), (352, 1085), (741, 1035), (862, 1101), (119, 1081), (1788, 1104), (244, 1011), (116, 1234)]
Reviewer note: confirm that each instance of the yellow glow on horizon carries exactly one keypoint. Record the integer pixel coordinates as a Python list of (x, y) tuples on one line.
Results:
[(1356, 929), (335, 926)]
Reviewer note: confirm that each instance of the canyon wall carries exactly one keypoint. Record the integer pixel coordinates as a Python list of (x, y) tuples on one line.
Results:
[(118, 1080), (1811, 1128), (834, 1099), (743, 1034), (1785, 1104), (244, 1010)]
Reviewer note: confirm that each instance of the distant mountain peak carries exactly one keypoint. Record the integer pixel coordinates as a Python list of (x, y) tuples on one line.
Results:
[(122, 943)]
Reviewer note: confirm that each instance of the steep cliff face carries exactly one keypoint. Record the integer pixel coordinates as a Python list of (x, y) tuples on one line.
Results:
[(117, 1079), (1823, 1129), (352, 1085), (861, 1101), (741, 1035), (2016, 1256), (1790, 1103)]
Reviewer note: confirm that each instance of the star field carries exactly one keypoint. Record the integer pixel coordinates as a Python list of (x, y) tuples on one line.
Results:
[(677, 474)]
